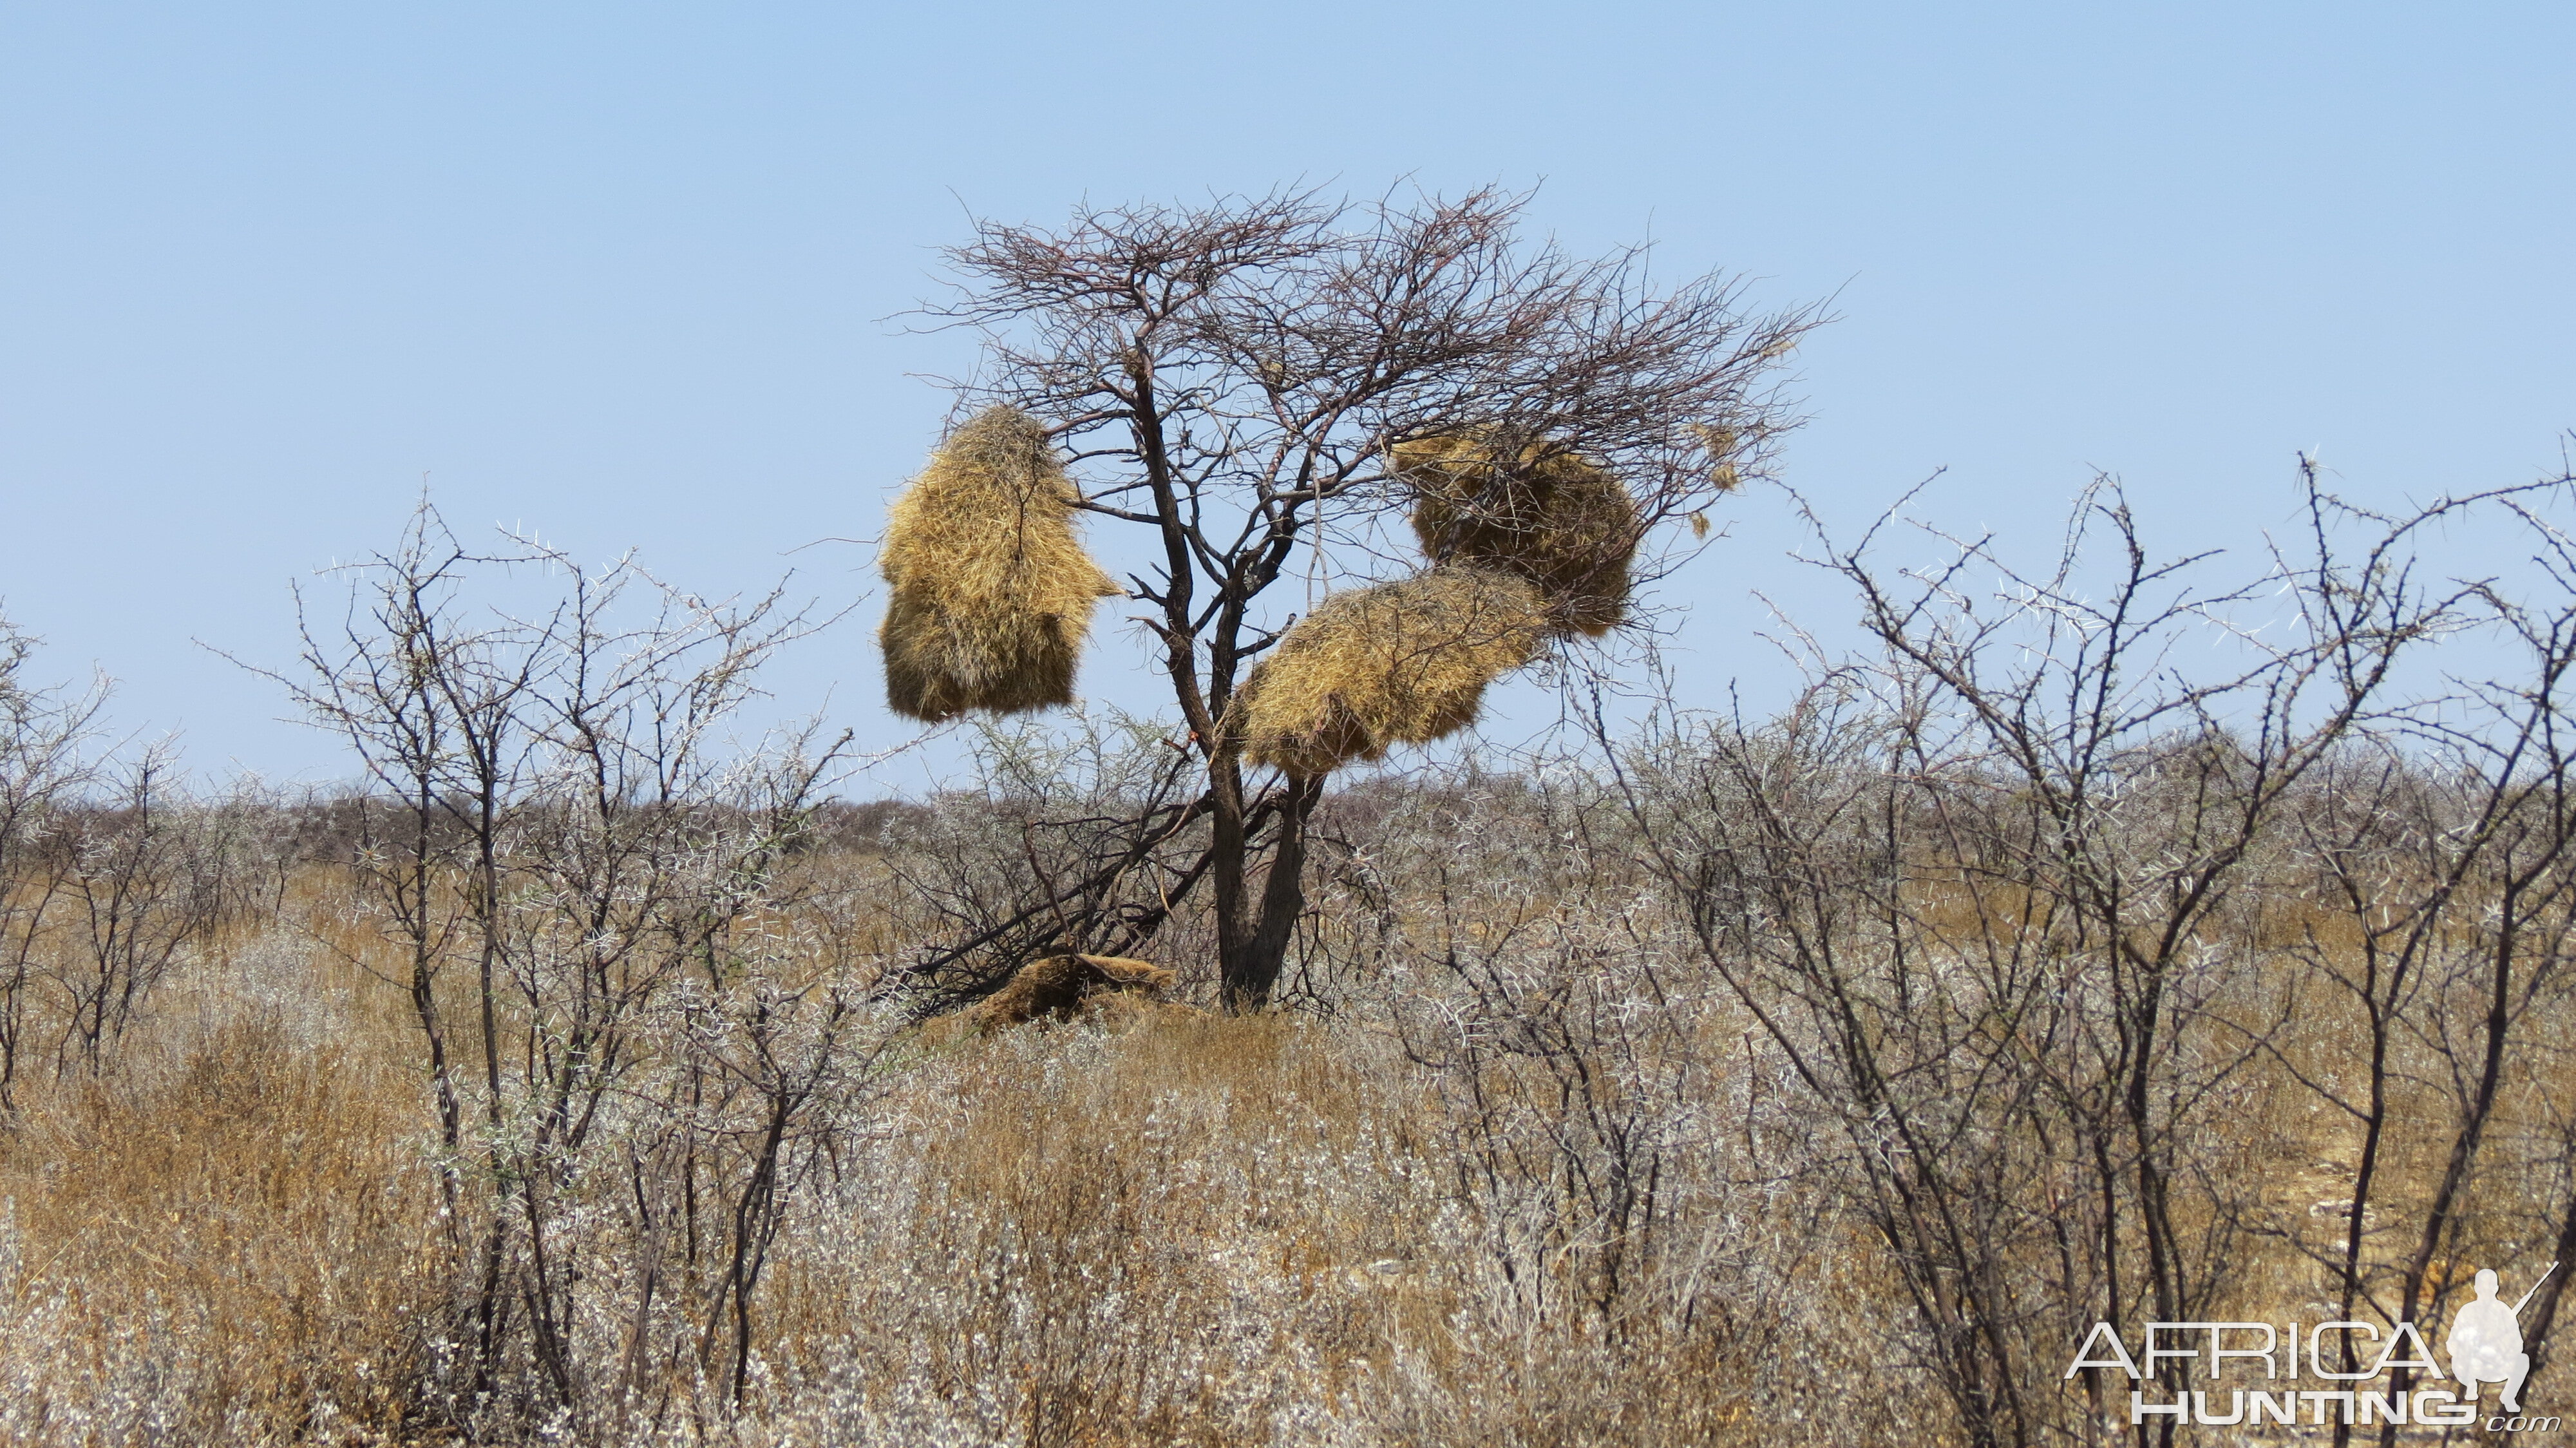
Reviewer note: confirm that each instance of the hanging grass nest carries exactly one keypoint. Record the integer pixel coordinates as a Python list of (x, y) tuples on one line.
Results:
[(1393, 663), (992, 591), (1548, 517)]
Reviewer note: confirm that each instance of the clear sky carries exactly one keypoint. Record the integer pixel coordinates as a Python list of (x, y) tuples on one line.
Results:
[(621, 273)]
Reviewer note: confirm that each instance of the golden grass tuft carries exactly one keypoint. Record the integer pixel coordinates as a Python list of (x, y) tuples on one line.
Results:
[(1549, 517), (992, 591), (1405, 662), (227, 1236)]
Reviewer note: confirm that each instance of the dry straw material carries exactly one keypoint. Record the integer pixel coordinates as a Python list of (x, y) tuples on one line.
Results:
[(992, 591), (1549, 517), (1393, 663), (1061, 985)]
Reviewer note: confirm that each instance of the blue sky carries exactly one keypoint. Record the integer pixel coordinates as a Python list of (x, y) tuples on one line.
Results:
[(622, 274)]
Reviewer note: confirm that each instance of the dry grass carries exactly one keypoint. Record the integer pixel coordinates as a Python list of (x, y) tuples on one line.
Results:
[(1127, 1228), (1547, 516), (1214, 1231), (1397, 1223), (1405, 662), (230, 1234), (992, 591)]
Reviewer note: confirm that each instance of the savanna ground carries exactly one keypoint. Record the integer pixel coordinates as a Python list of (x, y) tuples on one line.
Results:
[(1362, 1218), (1814, 1081)]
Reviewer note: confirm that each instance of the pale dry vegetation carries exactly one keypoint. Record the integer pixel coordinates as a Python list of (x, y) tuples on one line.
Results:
[(1385, 1223)]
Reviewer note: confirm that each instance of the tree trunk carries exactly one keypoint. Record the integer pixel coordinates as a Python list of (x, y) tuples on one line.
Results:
[(1254, 945), (1228, 843)]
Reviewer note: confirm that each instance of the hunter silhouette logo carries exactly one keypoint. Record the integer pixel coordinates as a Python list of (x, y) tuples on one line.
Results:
[(2484, 1346), (2486, 1341)]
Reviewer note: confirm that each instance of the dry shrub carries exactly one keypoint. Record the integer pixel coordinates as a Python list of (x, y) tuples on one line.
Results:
[(1548, 516), (1060, 985), (1405, 662), (992, 591)]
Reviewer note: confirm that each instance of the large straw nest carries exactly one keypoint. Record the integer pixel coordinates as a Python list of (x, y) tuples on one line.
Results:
[(1061, 985), (992, 591), (1107, 990), (1547, 516), (1393, 663)]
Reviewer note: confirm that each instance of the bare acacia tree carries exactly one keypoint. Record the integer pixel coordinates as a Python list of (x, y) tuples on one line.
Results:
[(45, 763), (2039, 901), (1230, 376), (561, 842)]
